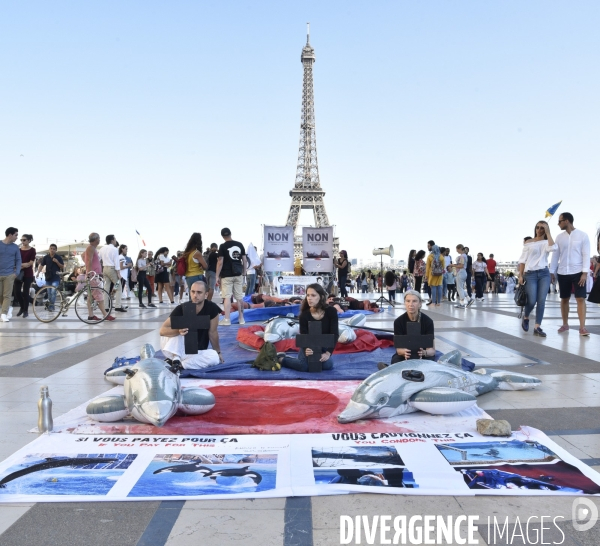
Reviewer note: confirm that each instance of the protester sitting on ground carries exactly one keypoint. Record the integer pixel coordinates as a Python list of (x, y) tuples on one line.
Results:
[(271, 302), (172, 341), (314, 307), (352, 304), (413, 303)]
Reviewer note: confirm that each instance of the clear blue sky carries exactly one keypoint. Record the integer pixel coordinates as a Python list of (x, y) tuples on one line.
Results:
[(458, 121)]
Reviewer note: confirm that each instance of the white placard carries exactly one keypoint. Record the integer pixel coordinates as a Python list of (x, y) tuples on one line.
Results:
[(279, 248), (317, 249), (288, 285)]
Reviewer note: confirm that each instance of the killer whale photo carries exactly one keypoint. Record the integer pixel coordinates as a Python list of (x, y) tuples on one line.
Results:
[(207, 474), (53, 474)]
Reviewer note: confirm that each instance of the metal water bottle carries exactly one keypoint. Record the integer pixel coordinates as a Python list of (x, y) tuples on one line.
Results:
[(44, 411)]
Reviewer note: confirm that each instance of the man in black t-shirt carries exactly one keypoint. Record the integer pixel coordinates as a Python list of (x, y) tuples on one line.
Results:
[(172, 341), (54, 265), (231, 268)]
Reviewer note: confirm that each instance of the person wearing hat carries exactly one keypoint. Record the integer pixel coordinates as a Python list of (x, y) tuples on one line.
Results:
[(231, 268)]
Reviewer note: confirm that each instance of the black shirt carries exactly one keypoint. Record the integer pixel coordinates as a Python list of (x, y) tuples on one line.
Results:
[(213, 258), (402, 320), (232, 252), (52, 269), (329, 325), (212, 310)]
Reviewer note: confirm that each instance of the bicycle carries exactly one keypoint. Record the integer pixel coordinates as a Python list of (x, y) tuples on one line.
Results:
[(50, 302)]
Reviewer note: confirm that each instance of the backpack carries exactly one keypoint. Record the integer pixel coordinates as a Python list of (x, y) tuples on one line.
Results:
[(237, 268), (181, 266), (267, 358), (437, 269)]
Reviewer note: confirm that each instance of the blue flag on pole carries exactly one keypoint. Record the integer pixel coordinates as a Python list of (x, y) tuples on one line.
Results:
[(550, 212)]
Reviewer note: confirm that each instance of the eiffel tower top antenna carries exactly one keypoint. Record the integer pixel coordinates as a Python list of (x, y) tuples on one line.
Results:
[(307, 192)]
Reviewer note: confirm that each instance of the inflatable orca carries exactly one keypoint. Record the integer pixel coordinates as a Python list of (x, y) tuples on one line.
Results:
[(280, 328), (54, 463), (152, 394), (438, 388)]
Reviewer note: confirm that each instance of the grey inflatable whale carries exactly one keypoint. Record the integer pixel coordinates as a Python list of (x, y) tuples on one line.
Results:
[(152, 394), (288, 327), (438, 388)]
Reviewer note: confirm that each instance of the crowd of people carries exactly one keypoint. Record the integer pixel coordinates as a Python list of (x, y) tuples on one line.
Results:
[(434, 275)]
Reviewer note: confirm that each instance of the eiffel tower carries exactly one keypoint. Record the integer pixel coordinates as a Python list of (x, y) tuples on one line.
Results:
[(307, 192)]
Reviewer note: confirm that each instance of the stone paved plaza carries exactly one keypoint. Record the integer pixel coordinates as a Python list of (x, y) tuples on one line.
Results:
[(70, 358)]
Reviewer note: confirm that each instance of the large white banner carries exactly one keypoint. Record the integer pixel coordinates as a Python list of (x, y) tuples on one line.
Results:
[(317, 249), (279, 248), (71, 467)]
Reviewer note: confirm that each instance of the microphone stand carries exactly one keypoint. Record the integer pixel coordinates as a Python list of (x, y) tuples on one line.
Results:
[(381, 299)]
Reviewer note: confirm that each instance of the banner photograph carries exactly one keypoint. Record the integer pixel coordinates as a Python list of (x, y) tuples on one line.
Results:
[(317, 249), (279, 248), (144, 467), (295, 286)]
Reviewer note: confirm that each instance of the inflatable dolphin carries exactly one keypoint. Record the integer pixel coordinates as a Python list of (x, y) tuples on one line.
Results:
[(438, 388), (280, 328), (152, 394)]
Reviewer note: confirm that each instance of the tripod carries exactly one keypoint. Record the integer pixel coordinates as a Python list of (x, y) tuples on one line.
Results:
[(381, 299)]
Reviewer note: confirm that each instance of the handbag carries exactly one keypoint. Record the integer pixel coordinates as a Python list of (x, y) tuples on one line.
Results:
[(20, 276), (521, 297)]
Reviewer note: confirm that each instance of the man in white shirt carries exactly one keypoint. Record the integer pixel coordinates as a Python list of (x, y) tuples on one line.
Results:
[(109, 254), (570, 263)]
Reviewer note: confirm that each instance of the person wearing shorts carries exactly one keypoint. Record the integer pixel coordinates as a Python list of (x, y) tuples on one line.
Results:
[(570, 264), (231, 268)]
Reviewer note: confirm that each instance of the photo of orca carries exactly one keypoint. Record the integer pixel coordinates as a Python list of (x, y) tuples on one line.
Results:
[(207, 474), (557, 476), (59, 474), (53, 463)]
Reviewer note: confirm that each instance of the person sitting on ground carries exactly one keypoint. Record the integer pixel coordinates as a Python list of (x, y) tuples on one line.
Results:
[(172, 341), (413, 303), (314, 307)]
